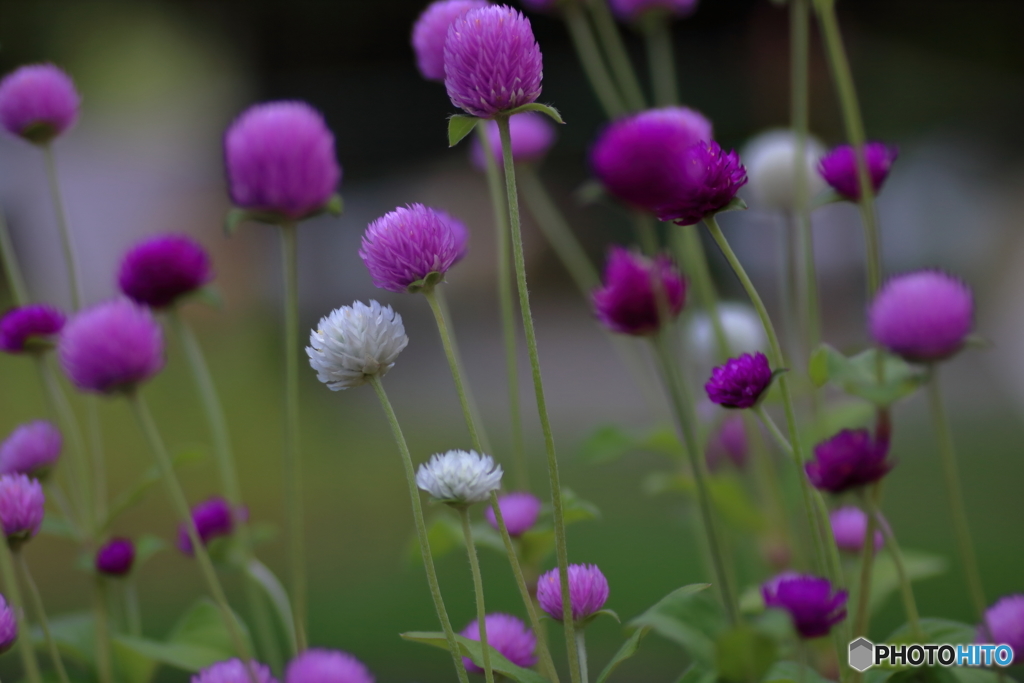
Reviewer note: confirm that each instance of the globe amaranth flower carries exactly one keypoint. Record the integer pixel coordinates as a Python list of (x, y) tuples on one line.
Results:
[(771, 162), (1004, 624), (706, 179), (430, 31), (115, 557), (519, 509), (318, 665), (740, 382), (459, 477), (588, 591), (813, 604), (30, 327), (403, 247), (923, 316), (355, 343), (38, 102), (213, 518), (631, 10), (531, 134), (113, 346), (839, 167), (280, 159), (21, 507), (32, 448), (8, 626), (506, 634), (628, 302), (160, 270), (727, 444), (850, 459), (235, 671), (459, 232), (492, 62), (849, 526)]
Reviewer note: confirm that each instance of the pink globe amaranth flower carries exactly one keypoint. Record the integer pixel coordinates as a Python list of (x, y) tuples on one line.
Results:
[(113, 346), (8, 626), (850, 459), (631, 10), (532, 135), (628, 301), (22, 328), (459, 232), (506, 634), (21, 507), (38, 102), (924, 316), (234, 671), (213, 518), (740, 382), (839, 167), (588, 591), (706, 180), (519, 509), (727, 444), (159, 270), (849, 526), (318, 665), (115, 557), (492, 62), (403, 247), (33, 448), (431, 29), (1004, 624), (813, 604), (280, 159)]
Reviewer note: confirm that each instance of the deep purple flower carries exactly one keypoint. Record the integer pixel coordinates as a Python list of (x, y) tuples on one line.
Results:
[(849, 525), (810, 601), (532, 135), (740, 382), (21, 507), (115, 557), (159, 270), (631, 10), (506, 634), (234, 671), (1004, 624), (588, 591), (21, 327), (8, 626), (706, 180), (839, 167), (459, 232), (280, 159), (405, 246), (849, 459), (727, 444), (519, 509), (110, 347), (38, 102), (213, 518), (318, 665), (430, 31), (628, 302), (923, 316), (492, 62), (31, 449)]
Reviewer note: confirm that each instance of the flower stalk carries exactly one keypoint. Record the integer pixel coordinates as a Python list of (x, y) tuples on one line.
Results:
[(592, 61), (44, 624), (478, 589), (15, 278), (657, 27), (618, 57), (906, 589), (867, 562)]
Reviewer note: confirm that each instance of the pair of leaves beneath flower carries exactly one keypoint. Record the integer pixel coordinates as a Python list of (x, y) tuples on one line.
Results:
[(859, 375), (461, 125), (237, 215)]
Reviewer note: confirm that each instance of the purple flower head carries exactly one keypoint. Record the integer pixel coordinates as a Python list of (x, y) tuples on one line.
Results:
[(280, 159), (923, 316), (38, 102), (115, 557), (459, 232), (727, 444), (31, 449), (628, 302), (492, 62), (23, 328), (850, 459), (519, 510), (401, 248), (318, 665), (810, 601), (588, 591), (111, 347), (631, 10), (430, 30), (706, 180), (213, 518), (506, 634), (740, 382), (1004, 624), (839, 167), (234, 671), (849, 525), (21, 507), (159, 270), (532, 135), (8, 626)]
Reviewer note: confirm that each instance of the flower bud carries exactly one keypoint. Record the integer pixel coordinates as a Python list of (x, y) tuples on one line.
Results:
[(588, 591), (848, 460), (849, 526), (213, 518), (402, 248), (839, 168), (38, 102), (1004, 625), (355, 343), (115, 557), (771, 164), (628, 302), (459, 477), (740, 382), (160, 270), (811, 602), (506, 634), (519, 509), (235, 671), (318, 665), (8, 626), (31, 327), (21, 507), (32, 449)]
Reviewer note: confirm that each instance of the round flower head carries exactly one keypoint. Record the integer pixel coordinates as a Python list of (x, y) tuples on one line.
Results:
[(532, 135), (38, 102), (21, 507), (8, 626), (770, 159), (740, 382), (631, 10), (849, 526), (705, 181), (113, 346), (588, 591), (355, 343), (519, 510), (159, 270), (459, 477), (810, 601), (727, 444), (115, 557), (430, 30), (742, 327), (318, 665), (401, 248), (839, 167), (923, 316), (213, 518), (33, 448), (29, 327), (280, 159), (1004, 624), (235, 671), (628, 302), (506, 634), (849, 459), (492, 62)]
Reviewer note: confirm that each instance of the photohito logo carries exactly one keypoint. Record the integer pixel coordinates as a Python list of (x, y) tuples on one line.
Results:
[(864, 654)]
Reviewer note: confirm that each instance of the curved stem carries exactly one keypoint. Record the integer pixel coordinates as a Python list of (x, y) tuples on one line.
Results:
[(478, 589), (592, 61), (773, 429), (13, 594), (133, 614), (691, 255), (906, 589), (44, 625), (646, 233), (618, 57), (581, 652), (104, 659), (66, 238), (862, 618), (661, 60), (15, 278)]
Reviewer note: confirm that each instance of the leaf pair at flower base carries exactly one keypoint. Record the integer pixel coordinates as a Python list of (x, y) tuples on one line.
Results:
[(461, 125)]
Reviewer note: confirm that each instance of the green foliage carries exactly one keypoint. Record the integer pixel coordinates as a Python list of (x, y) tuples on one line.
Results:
[(858, 375), (727, 494), (689, 617), (611, 442), (743, 655), (885, 580), (471, 648), (550, 112), (278, 596), (628, 649), (789, 672), (135, 494), (459, 126)]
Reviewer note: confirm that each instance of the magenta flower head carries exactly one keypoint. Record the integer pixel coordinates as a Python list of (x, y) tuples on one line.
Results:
[(1004, 624), (839, 167), (38, 102), (160, 270), (115, 557), (532, 135), (402, 248), (460, 232), (519, 510), (111, 347), (213, 518), (30, 328), (8, 626), (628, 302), (588, 591), (21, 507), (234, 671), (924, 316), (811, 602), (430, 31), (506, 634), (318, 665), (631, 10), (280, 160), (492, 62), (849, 526), (740, 382), (33, 448), (727, 444), (706, 180), (850, 459)]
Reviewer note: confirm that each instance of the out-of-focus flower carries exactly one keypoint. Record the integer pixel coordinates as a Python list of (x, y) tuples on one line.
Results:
[(403, 247), (234, 671), (116, 557), (506, 634), (459, 477), (38, 102), (519, 509), (355, 343), (743, 333), (740, 382), (8, 626), (431, 29), (318, 665), (727, 444), (213, 518), (770, 159), (532, 135), (22, 507), (628, 302), (29, 327), (849, 526), (160, 270), (706, 180), (1004, 624), (631, 10), (850, 459), (814, 605), (32, 449), (839, 167), (588, 591)]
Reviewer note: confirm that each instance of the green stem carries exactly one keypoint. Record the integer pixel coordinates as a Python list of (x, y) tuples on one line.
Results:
[(15, 278), (44, 625), (133, 614), (55, 492), (581, 652), (646, 233), (17, 607), (478, 589), (862, 618), (99, 464), (691, 255), (592, 61), (773, 429), (906, 589), (661, 60), (104, 659), (66, 239), (618, 57)]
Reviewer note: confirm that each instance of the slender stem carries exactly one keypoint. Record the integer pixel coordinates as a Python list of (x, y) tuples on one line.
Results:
[(660, 57), (44, 625), (17, 606), (906, 589), (581, 652), (478, 589), (15, 278), (55, 492), (646, 233), (773, 429), (561, 551), (592, 61), (67, 240), (133, 614), (691, 255), (618, 57), (787, 276), (862, 618), (104, 658), (99, 463)]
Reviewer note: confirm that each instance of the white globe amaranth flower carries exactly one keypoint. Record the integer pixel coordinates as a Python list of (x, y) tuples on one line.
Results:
[(355, 343), (459, 477), (770, 160), (743, 332)]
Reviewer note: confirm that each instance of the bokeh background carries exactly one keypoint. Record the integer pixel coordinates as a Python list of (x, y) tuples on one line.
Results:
[(162, 80)]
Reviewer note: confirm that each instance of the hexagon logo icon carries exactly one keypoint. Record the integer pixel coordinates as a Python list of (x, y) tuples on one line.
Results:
[(862, 654)]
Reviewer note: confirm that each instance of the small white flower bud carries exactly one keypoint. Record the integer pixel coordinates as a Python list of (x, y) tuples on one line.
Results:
[(743, 331), (459, 477), (354, 343), (769, 159)]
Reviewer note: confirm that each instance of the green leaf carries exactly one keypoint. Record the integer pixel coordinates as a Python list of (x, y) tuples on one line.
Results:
[(607, 443), (885, 580), (923, 674), (688, 617), (277, 594), (965, 674), (550, 112), (132, 666), (137, 493), (934, 631), (335, 205), (789, 672), (697, 674), (73, 634), (727, 494), (234, 218), (471, 648), (209, 295), (737, 204), (444, 535), (628, 649), (55, 525), (589, 192), (858, 375), (849, 414), (146, 546), (185, 656), (828, 196), (743, 655), (459, 126)]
